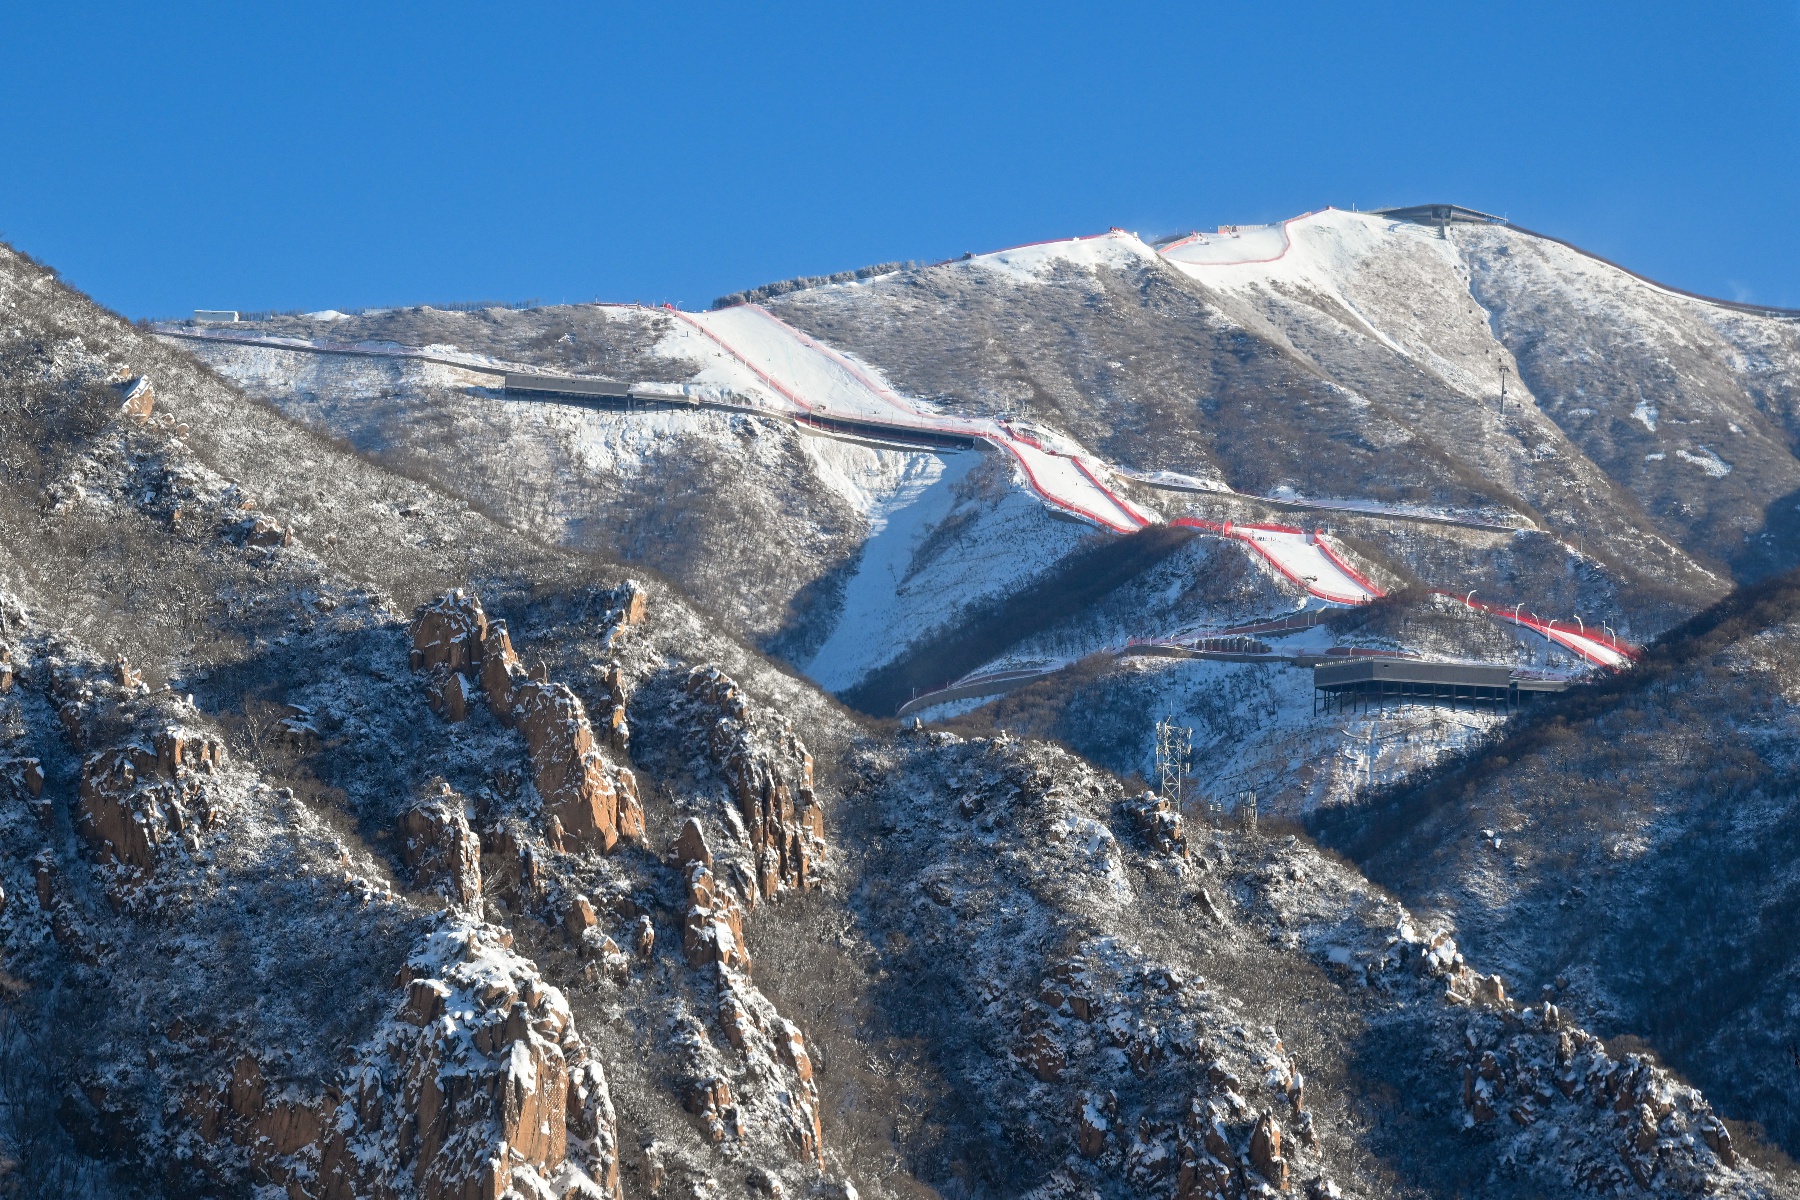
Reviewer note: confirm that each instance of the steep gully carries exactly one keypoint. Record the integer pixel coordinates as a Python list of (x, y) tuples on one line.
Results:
[(767, 366)]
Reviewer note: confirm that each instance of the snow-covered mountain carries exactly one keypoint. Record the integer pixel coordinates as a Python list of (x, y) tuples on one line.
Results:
[(416, 786), (1339, 372)]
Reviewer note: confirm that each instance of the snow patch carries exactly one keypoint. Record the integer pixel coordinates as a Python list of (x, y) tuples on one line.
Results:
[(1707, 461), (875, 481)]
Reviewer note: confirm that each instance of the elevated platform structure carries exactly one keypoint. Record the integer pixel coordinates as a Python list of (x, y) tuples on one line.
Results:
[(1439, 214), (1365, 682)]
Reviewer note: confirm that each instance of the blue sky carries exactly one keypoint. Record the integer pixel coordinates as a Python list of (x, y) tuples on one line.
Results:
[(302, 156)]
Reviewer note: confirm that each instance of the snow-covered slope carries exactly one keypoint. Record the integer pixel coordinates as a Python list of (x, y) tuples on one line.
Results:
[(365, 831), (1344, 357)]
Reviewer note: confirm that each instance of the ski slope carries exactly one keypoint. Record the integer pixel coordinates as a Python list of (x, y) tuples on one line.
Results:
[(1303, 557), (810, 379), (1249, 244), (764, 364), (1597, 647)]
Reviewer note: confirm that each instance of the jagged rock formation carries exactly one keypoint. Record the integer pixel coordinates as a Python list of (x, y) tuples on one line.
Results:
[(1160, 823), (145, 776), (714, 929), (594, 804), (1658, 1125), (769, 775), (137, 796), (448, 637), (441, 849), (477, 1086), (137, 397)]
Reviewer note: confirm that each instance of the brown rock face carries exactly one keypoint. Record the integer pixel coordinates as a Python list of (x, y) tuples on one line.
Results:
[(450, 694), (580, 917), (500, 671), (1160, 823), (139, 398), (770, 775), (443, 852), (1265, 1151), (691, 846), (780, 1092), (448, 637), (613, 723), (570, 774), (1205, 1159), (480, 1079), (1719, 1138), (644, 940), (714, 931), (450, 633), (26, 775), (44, 878), (1093, 1123), (139, 796), (267, 533), (593, 805), (1044, 1055), (631, 808), (635, 605)]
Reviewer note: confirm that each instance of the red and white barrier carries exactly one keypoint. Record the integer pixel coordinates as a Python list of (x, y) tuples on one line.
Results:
[(819, 381)]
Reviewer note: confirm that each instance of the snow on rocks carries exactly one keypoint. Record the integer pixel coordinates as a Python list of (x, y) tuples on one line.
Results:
[(147, 781), (768, 776), (477, 1084), (588, 801), (437, 843), (1551, 1098)]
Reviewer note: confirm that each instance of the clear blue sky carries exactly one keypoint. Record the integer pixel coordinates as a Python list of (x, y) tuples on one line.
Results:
[(274, 155)]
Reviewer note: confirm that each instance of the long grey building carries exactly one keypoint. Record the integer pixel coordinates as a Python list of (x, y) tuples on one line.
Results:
[(1365, 681)]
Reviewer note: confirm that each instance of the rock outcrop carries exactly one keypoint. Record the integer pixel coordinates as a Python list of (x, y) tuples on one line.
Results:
[(448, 636), (593, 804), (479, 1083), (1519, 1063), (137, 397), (613, 722), (596, 804), (1265, 1151), (440, 847), (630, 605), (770, 778), (714, 929), (1160, 822), (138, 796)]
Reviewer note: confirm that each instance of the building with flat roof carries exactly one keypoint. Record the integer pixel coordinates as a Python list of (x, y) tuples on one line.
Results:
[(1362, 682)]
